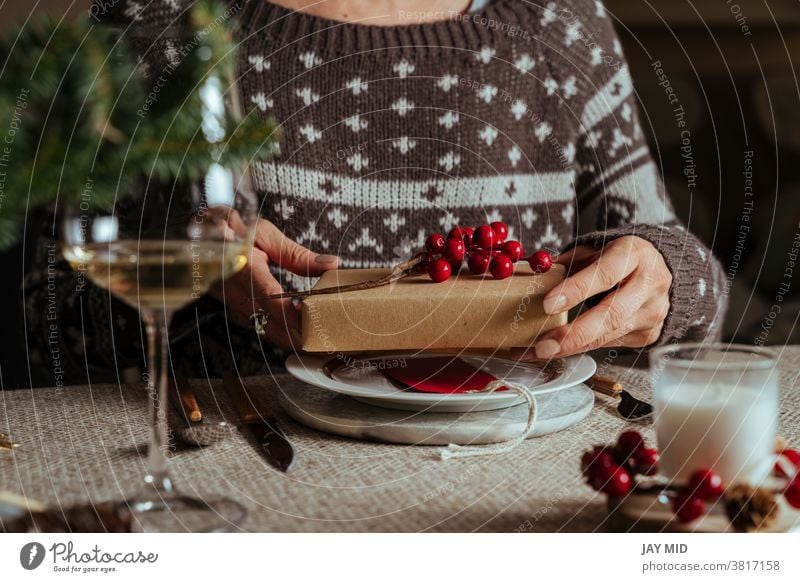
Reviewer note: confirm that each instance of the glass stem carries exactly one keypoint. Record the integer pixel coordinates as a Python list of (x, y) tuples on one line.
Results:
[(156, 322)]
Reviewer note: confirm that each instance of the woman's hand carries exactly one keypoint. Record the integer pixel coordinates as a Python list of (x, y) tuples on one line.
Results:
[(241, 291), (632, 315)]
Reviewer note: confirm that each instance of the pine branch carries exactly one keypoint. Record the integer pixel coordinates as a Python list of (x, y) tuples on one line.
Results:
[(78, 122)]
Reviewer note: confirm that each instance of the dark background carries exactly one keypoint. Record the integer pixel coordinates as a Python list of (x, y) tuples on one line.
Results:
[(731, 65)]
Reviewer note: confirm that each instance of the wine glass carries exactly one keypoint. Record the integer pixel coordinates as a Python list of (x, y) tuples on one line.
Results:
[(160, 246)]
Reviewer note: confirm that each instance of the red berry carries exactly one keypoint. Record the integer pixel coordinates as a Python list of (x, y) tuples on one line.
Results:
[(540, 261), (628, 443), (592, 462), (793, 457), (501, 230), (646, 460), (513, 249), (459, 232), (792, 493), (456, 266), (484, 237), (478, 262), (501, 267), (687, 508), (434, 243), (706, 484), (454, 250), (423, 264), (440, 270), (618, 484)]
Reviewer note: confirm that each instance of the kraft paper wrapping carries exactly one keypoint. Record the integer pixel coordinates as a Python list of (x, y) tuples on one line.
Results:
[(465, 312)]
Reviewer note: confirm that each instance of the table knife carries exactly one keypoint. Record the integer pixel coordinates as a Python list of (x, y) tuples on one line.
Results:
[(260, 420)]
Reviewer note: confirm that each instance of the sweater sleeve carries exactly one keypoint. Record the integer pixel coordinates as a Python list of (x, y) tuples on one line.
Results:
[(619, 191)]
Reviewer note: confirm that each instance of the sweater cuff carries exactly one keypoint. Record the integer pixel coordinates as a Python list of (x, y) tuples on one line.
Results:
[(693, 296)]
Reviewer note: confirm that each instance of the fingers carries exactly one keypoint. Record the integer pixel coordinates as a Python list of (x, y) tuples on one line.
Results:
[(283, 327), (241, 295), (291, 256), (218, 222), (577, 257), (616, 315), (636, 339), (234, 221), (630, 316), (613, 264), (242, 291), (654, 313), (526, 355)]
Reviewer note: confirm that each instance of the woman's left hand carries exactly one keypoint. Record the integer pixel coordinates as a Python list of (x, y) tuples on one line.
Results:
[(632, 315)]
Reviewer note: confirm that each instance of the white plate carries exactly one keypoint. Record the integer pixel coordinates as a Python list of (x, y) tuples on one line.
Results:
[(372, 387)]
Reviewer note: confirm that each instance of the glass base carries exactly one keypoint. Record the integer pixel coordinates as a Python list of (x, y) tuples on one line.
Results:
[(178, 513)]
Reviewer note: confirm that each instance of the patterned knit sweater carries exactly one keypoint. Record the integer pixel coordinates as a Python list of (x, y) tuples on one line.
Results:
[(522, 112)]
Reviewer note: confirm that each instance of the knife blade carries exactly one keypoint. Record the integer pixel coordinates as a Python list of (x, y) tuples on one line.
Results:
[(261, 422)]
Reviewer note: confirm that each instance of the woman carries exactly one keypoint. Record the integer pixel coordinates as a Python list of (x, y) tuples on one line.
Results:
[(405, 119)]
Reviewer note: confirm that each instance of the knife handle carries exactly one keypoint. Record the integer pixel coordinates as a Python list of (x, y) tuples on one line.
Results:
[(183, 398), (249, 410), (605, 385)]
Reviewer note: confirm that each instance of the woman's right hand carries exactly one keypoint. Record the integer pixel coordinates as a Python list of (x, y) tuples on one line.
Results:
[(241, 292)]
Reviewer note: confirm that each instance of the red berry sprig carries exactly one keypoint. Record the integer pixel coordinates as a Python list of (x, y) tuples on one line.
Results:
[(610, 470), (604, 474), (613, 469), (486, 250), (690, 504), (687, 508)]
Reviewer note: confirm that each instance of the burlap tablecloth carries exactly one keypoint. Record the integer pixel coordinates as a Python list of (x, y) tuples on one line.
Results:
[(87, 443)]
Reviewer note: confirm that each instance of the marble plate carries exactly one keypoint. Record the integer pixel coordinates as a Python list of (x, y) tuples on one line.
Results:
[(371, 386)]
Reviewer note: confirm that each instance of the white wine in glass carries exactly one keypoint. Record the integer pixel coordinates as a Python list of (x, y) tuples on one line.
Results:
[(158, 269), (171, 273), (160, 247)]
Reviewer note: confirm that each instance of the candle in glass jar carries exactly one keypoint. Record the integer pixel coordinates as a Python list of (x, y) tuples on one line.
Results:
[(729, 430)]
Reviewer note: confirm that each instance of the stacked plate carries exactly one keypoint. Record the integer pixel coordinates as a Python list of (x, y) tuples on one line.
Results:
[(364, 380)]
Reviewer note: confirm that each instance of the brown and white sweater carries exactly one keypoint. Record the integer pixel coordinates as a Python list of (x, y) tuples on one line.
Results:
[(522, 112)]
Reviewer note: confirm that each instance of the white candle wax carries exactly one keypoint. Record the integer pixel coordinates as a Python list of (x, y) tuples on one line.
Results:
[(730, 429)]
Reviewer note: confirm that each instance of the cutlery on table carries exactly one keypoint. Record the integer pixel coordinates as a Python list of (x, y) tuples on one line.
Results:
[(261, 422), (196, 432), (630, 407), (6, 444)]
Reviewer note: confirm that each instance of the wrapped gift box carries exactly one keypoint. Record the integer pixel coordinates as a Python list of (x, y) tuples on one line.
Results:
[(464, 312)]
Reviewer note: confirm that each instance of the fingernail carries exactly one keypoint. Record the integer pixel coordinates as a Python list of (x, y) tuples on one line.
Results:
[(554, 304), (326, 259), (546, 349)]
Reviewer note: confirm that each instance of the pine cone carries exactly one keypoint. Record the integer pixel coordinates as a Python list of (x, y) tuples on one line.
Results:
[(750, 508)]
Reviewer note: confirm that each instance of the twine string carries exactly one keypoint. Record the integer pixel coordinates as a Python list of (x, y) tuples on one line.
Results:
[(453, 451)]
